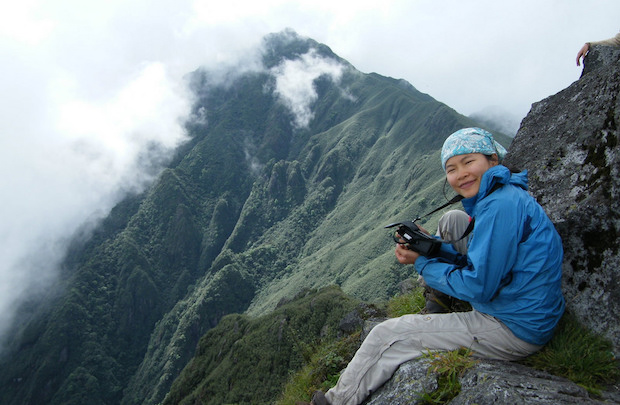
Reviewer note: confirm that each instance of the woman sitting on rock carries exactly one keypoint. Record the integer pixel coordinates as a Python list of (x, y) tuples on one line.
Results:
[(511, 276)]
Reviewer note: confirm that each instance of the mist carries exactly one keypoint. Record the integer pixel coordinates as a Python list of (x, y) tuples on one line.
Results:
[(294, 83), (94, 99)]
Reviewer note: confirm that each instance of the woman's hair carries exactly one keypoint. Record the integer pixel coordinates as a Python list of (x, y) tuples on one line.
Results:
[(512, 169)]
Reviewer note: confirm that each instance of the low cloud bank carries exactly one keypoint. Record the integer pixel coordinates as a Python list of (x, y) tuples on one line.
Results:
[(294, 83), (63, 176)]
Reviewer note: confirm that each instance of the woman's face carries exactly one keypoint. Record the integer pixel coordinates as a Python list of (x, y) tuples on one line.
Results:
[(464, 172)]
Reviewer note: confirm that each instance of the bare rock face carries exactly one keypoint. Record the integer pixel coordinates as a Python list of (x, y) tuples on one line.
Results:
[(497, 382), (600, 57), (569, 145), (487, 383), (407, 385)]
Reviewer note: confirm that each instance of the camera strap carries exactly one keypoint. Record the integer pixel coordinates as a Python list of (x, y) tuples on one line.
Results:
[(470, 226), (454, 200)]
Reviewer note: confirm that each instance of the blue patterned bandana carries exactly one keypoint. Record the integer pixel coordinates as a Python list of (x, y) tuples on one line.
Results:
[(470, 140)]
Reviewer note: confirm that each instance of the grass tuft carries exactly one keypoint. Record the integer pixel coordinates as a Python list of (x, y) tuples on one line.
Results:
[(578, 354), (410, 303), (449, 366), (322, 370)]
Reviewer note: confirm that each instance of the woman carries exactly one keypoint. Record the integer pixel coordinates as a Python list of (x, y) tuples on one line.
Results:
[(511, 276)]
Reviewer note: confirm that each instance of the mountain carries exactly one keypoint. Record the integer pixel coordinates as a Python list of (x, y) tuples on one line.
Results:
[(249, 360), (288, 178)]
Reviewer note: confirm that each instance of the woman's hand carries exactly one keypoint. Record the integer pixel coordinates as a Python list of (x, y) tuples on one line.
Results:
[(582, 52), (404, 255)]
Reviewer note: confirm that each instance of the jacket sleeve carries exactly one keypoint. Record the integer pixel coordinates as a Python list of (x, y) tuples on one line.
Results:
[(490, 256), (448, 254), (615, 41)]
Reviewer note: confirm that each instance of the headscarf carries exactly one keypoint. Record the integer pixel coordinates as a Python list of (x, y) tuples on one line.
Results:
[(471, 140)]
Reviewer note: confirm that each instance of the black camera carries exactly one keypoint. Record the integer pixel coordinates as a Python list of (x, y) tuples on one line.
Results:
[(414, 239)]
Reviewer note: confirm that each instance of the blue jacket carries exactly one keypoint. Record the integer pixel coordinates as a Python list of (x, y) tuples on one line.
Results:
[(513, 266)]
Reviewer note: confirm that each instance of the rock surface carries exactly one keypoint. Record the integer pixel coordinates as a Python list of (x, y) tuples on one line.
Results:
[(569, 143), (487, 383)]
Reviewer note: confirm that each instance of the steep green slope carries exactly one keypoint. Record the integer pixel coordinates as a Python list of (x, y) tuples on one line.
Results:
[(250, 212), (248, 360), (317, 217)]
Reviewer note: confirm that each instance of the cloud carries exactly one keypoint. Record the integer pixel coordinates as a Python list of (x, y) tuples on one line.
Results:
[(73, 142), (113, 132), (294, 83)]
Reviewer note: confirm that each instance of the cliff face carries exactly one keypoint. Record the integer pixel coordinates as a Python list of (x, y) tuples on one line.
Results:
[(569, 144)]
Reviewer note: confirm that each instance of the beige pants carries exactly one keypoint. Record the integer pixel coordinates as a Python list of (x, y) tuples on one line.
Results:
[(398, 340), (451, 226)]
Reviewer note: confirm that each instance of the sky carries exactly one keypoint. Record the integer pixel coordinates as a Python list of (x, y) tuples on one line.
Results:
[(93, 99)]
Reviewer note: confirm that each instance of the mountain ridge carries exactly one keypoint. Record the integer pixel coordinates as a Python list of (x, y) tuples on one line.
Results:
[(588, 225), (268, 197)]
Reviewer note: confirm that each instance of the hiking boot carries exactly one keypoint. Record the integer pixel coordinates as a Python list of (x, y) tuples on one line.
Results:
[(436, 302), (440, 303), (318, 398)]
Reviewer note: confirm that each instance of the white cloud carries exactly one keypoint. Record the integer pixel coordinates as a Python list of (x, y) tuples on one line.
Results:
[(294, 83), (123, 125), (73, 141), (19, 22)]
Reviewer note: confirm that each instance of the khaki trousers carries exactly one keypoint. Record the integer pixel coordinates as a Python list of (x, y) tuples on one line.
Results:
[(398, 340), (451, 227)]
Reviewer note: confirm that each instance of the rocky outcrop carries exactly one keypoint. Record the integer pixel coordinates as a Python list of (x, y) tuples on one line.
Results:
[(600, 57), (487, 383), (569, 143)]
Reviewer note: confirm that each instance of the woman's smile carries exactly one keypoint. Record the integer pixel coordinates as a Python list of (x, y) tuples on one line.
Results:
[(464, 172)]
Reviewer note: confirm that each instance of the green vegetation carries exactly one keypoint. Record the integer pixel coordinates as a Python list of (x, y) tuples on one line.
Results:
[(449, 367), (326, 361), (402, 304), (250, 213), (322, 370), (244, 360), (578, 354)]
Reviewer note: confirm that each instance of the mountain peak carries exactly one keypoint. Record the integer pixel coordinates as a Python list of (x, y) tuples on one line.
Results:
[(288, 44)]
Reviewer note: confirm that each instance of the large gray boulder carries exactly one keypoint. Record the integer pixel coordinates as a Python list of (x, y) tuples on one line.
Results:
[(569, 143), (487, 383)]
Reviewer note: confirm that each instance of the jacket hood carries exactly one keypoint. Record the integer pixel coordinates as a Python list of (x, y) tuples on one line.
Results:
[(499, 174)]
